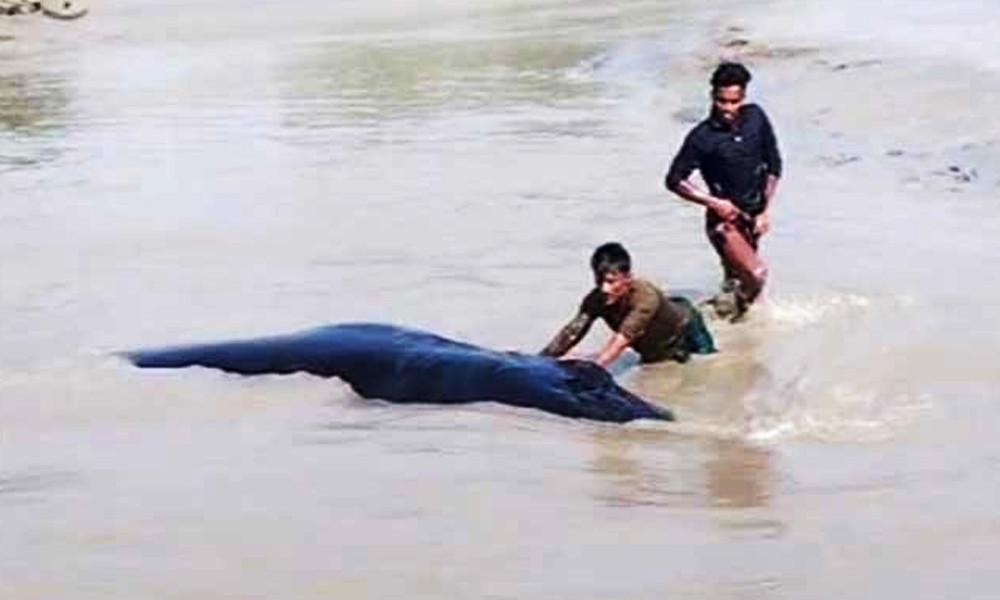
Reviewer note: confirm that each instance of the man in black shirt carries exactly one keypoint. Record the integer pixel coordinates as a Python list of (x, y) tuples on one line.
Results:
[(736, 152)]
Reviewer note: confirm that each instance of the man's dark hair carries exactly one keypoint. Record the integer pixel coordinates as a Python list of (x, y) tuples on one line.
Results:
[(611, 257), (730, 73)]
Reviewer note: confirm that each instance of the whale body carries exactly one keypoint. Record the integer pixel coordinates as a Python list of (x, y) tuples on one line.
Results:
[(397, 364)]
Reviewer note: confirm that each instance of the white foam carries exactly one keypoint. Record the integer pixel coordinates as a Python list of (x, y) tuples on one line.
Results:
[(797, 312), (842, 414)]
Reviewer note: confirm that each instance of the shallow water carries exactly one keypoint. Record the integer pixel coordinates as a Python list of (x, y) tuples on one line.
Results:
[(182, 172)]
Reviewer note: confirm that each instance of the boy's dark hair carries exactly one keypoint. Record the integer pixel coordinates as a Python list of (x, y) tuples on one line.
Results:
[(730, 73), (611, 257)]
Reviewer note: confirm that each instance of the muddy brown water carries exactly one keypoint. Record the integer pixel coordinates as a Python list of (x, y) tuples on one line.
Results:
[(184, 171)]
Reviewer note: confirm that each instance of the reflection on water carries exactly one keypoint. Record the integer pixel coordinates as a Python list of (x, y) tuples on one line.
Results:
[(494, 56), (639, 468), (739, 474), (630, 474), (575, 15), (32, 109), (399, 79), (31, 104)]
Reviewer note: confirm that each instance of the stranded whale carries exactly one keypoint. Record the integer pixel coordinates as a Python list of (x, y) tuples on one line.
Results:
[(405, 365)]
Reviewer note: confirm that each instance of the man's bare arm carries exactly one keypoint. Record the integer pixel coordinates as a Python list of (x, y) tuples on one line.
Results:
[(678, 180), (569, 336), (723, 208), (612, 350)]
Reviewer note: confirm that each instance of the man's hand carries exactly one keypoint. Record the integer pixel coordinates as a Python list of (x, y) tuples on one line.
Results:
[(724, 209), (762, 224), (612, 350)]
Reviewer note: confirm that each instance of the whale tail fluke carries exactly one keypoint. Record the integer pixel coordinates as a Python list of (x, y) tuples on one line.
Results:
[(252, 357)]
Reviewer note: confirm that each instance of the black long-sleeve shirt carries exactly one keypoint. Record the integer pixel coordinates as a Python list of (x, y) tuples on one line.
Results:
[(734, 160)]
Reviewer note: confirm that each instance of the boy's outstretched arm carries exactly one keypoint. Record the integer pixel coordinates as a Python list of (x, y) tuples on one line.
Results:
[(569, 336), (612, 350)]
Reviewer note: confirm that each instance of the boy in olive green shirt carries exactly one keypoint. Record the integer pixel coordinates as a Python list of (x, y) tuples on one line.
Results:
[(642, 316)]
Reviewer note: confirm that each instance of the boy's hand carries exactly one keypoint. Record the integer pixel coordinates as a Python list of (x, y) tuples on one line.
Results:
[(762, 224), (577, 355)]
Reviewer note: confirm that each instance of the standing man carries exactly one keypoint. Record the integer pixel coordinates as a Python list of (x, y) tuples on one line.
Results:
[(639, 314), (736, 152)]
